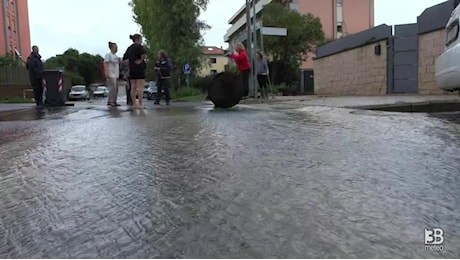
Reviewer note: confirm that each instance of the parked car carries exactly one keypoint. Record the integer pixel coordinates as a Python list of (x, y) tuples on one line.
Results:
[(153, 91), (101, 91), (149, 90), (78, 92), (447, 64)]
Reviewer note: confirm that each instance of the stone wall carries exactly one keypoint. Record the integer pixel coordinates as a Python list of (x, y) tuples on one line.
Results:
[(353, 72), (431, 45)]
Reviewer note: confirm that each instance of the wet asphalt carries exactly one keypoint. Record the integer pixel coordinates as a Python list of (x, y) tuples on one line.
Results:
[(191, 181)]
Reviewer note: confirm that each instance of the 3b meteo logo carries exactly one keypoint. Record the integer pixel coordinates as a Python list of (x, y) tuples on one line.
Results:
[(433, 239)]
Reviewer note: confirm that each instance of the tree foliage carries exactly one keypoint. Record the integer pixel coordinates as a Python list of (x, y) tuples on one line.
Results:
[(81, 68), (304, 34), (172, 26), (10, 60)]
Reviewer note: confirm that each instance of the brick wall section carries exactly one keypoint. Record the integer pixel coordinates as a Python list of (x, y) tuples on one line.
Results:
[(354, 72), (431, 45)]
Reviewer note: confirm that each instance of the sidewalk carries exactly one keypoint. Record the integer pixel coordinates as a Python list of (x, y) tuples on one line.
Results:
[(350, 101), (293, 102), (10, 107)]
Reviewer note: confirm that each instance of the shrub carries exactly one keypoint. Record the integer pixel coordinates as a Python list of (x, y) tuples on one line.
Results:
[(185, 92), (10, 60), (283, 71), (232, 68), (13, 100), (202, 83), (279, 88)]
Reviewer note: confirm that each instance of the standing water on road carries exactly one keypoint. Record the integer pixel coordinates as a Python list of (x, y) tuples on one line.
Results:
[(241, 183)]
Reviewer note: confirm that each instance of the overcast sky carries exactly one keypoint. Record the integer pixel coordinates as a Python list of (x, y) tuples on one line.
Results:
[(88, 25)]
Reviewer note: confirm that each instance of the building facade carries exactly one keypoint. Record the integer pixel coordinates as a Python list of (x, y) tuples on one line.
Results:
[(339, 18), (386, 59), (215, 61), (14, 27)]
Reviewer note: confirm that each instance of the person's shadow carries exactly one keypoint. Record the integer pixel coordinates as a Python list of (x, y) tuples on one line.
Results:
[(137, 112), (114, 112), (39, 113)]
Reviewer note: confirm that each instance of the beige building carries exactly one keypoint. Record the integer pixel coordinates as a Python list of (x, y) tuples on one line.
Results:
[(215, 61)]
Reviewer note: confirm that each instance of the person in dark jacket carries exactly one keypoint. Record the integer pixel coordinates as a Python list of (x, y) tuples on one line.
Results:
[(35, 67), (163, 68)]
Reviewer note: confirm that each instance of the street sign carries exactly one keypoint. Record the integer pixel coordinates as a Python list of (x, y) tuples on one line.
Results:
[(274, 31), (187, 69)]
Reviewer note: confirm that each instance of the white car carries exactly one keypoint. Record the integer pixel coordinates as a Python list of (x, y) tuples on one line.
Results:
[(101, 91), (78, 92), (448, 64)]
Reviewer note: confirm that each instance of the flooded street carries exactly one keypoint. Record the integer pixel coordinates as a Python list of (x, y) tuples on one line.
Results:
[(195, 182)]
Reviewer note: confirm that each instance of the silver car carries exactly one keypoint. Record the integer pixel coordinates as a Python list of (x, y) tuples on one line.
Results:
[(78, 92), (101, 91)]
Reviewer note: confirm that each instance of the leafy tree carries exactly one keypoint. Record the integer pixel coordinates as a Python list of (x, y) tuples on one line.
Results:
[(89, 67), (81, 68), (10, 60), (284, 3), (174, 27), (304, 34)]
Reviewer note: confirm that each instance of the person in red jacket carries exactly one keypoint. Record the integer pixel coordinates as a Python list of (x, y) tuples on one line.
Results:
[(244, 65)]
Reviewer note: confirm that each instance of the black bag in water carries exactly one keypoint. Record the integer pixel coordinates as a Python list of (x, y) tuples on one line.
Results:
[(226, 90)]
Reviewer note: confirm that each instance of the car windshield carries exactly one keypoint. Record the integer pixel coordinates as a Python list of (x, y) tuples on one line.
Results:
[(78, 89), (100, 89)]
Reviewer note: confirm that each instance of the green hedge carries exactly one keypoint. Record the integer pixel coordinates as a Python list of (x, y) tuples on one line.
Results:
[(187, 94), (15, 100)]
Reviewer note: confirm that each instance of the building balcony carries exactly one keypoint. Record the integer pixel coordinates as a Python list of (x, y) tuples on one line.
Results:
[(241, 22)]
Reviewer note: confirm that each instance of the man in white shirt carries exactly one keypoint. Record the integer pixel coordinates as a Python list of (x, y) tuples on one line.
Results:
[(112, 73)]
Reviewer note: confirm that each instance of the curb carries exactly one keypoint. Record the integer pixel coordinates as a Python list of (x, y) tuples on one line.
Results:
[(415, 107)]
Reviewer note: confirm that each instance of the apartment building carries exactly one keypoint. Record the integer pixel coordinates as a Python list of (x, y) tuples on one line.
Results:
[(338, 17), (215, 61), (14, 27)]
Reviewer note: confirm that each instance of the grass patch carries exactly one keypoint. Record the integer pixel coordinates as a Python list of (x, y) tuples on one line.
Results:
[(187, 94), (16, 100), (196, 98)]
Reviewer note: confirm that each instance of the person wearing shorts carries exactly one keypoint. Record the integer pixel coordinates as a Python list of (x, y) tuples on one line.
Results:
[(135, 56)]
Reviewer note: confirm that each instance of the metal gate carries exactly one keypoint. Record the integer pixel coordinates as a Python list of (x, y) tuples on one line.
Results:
[(405, 59), (307, 88)]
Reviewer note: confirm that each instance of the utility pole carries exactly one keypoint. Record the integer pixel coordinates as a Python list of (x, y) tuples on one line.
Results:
[(254, 50), (249, 41)]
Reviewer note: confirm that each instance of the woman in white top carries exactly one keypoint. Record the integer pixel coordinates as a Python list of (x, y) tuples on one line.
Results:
[(112, 73)]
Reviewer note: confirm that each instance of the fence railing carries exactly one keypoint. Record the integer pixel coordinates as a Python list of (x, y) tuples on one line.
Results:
[(15, 75)]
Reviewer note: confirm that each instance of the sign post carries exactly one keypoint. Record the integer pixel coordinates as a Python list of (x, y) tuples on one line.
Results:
[(273, 31), (187, 71)]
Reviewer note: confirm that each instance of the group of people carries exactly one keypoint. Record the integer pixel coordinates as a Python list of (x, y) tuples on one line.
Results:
[(134, 72), (240, 56)]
